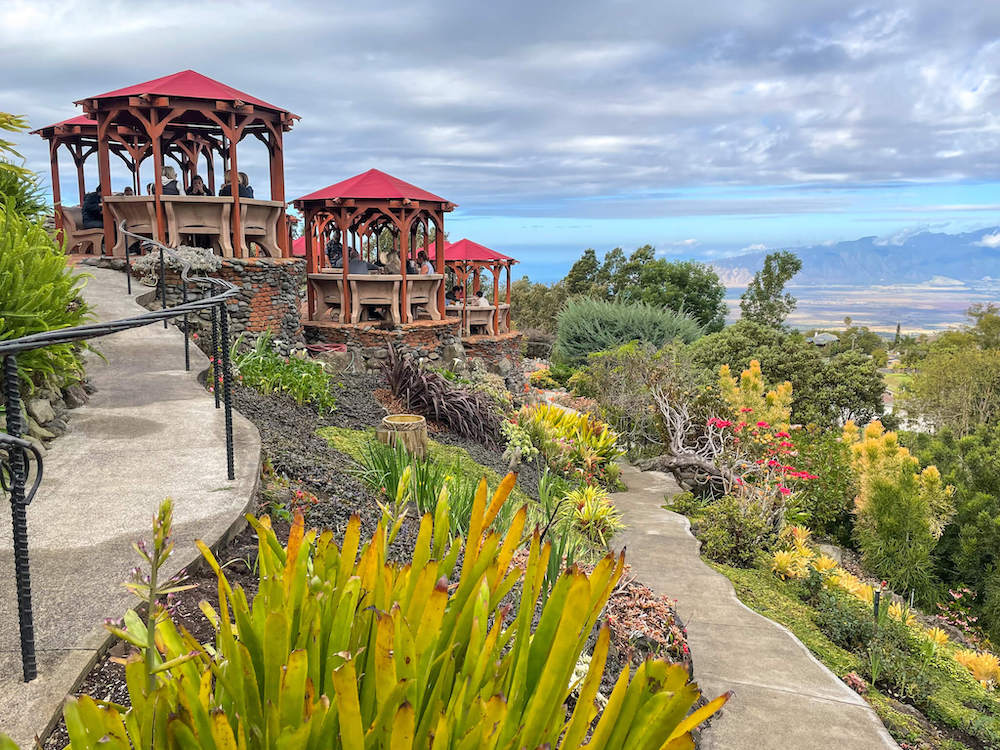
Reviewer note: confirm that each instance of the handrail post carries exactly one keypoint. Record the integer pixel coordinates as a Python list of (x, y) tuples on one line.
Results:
[(128, 271), (163, 285), (187, 340), (227, 397), (19, 518), (216, 362)]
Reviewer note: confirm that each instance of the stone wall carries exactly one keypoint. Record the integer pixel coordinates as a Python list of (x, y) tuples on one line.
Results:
[(367, 345), (501, 354), (271, 292)]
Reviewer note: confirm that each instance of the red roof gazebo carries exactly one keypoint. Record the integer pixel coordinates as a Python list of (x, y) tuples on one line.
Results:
[(374, 210), (467, 258), (188, 115)]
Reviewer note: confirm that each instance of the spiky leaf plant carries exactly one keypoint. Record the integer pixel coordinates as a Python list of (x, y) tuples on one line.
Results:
[(342, 649)]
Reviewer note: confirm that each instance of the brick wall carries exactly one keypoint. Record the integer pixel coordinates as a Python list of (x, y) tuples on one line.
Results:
[(271, 293)]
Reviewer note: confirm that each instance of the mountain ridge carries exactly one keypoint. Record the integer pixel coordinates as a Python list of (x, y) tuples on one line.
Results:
[(918, 258)]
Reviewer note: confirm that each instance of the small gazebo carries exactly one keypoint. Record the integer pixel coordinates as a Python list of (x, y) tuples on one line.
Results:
[(466, 258), (187, 117), (376, 215)]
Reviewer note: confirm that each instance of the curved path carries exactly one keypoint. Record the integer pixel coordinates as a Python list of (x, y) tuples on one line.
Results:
[(149, 432), (784, 698)]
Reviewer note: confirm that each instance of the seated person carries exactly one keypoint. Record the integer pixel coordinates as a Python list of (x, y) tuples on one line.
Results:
[(168, 181), (356, 265), (244, 190), (391, 265), (454, 295), (91, 212), (479, 300), (198, 187), (423, 264), (335, 253), (128, 191)]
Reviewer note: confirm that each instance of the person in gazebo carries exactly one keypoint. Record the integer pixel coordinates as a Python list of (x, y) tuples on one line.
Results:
[(168, 179), (454, 295), (244, 189), (424, 264), (90, 211), (198, 187), (479, 300)]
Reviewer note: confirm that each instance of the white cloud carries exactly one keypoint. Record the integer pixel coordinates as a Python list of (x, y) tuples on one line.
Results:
[(754, 248), (989, 240)]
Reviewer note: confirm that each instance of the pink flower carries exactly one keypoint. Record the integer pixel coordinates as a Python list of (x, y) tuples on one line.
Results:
[(782, 434), (746, 410), (784, 490), (763, 424)]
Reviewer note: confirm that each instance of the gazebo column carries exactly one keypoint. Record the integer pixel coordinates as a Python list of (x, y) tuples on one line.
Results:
[(439, 262), (307, 220), (404, 254), (276, 168), (508, 282), (345, 264), (56, 191), (234, 187), (496, 298), (104, 171), (154, 135)]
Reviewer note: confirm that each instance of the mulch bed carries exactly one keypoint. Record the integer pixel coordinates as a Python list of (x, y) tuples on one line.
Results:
[(642, 623)]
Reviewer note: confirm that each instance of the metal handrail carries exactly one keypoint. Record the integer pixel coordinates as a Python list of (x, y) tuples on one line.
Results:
[(15, 469)]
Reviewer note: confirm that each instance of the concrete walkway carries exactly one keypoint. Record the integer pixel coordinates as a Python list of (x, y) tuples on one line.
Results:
[(784, 698), (149, 432)]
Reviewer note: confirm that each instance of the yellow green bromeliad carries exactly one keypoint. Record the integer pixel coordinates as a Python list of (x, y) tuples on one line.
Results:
[(343, 649)]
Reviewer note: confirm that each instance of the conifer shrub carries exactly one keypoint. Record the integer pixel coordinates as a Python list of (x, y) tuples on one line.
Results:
[(589, 325)]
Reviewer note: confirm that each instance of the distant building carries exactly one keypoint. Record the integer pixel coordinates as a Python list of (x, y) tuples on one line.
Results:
[(822, 339)]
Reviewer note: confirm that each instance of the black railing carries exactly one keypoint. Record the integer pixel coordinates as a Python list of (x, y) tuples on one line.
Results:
[(23, 460)]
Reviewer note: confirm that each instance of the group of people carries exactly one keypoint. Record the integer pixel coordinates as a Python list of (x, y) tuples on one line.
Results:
[(390, 265), (93, 216)]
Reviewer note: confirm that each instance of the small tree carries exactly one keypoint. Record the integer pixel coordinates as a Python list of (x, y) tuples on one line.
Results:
[(764, 301)]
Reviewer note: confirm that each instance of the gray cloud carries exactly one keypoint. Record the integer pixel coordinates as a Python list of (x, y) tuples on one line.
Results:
[(549, 108)]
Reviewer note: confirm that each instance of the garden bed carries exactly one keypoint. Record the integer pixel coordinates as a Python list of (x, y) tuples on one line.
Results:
[(310, 466)]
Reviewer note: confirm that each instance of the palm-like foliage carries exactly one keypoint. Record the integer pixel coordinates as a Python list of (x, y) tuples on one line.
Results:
[(470, 414)]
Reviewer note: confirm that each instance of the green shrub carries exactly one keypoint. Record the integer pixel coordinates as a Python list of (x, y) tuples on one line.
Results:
[(261, 367), (594, 515), (894, 535), (38, 293), (845, 621), (733, 534), (588, 325), (829, 498)]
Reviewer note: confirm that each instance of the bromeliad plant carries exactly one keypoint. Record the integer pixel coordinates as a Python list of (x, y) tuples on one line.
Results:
[(471, 414), (576, 445), (343, 649)]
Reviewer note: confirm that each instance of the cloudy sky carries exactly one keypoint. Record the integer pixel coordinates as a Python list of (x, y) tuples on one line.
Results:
[(700, 127)]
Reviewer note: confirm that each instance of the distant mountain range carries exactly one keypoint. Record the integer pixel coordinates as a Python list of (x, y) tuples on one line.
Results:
[(940, 259)]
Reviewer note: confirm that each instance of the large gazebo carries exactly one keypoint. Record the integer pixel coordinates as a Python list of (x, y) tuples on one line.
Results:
[(373, 213), (186, 117)]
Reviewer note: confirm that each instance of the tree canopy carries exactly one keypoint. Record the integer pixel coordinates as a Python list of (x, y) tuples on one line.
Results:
[(765, 300)]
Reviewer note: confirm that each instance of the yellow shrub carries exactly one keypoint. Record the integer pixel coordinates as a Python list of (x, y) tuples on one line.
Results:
[(984, 666), (824, 564), (897, 612), (784, 565), (936, 636), (751, 402)]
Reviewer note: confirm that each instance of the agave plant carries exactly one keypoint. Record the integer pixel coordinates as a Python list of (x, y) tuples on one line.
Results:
[(343, 649), (471, 414)]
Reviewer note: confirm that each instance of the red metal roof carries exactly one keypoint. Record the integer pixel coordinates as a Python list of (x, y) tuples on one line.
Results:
[(78, 120), (373, 184), (187, 84), (472, 251)]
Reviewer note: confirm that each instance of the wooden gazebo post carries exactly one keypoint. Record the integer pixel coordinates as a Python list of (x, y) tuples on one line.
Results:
[(104, 170), (56, 192)]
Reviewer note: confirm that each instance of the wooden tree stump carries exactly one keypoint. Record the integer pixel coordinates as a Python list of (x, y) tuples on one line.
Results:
[(408, 430)]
